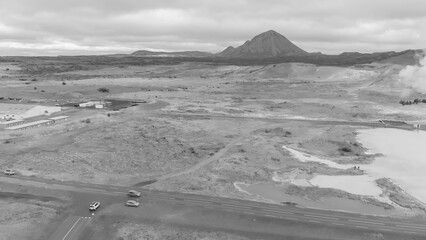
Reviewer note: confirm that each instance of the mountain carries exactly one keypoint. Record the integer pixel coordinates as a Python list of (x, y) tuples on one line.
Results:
[(267, 44), (146, 53)]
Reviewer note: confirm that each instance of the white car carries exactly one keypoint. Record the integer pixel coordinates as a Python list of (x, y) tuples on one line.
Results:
[(134, 193), (132, 203), (9, 172), (94, 206)]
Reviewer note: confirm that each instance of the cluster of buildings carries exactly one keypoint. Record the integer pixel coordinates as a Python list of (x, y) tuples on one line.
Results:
[(95, 104), (15, 116)]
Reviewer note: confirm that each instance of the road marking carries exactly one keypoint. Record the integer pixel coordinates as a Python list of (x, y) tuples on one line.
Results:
[(270, 216), (331, 218), (361, 221), (93, 189), (408, 226), (235, 206), (338, 224), (118, 192), (276, 211), (410, 232), (209, 207), (384, 229), (361, 227), (314, 221), (71, 228)]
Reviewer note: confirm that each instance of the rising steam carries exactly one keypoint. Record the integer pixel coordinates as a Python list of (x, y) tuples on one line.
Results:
[(414, 77)]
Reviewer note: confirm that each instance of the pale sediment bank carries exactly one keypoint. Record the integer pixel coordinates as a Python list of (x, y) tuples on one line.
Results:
[(402, 159)]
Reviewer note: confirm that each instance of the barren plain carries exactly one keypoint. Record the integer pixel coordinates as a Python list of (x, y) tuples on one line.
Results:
[(206, 128)]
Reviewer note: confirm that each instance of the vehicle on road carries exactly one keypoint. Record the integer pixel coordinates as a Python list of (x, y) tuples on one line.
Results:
[(132, 203), (94, 206), (9, 172), (134, 193)]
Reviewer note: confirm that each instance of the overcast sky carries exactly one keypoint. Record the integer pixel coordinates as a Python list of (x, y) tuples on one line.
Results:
[(69, 27)]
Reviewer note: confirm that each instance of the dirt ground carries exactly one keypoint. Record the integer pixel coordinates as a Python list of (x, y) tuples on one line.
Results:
[(198, 130)]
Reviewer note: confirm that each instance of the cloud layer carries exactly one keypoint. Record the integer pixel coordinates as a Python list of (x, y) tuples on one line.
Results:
[(46, 27)]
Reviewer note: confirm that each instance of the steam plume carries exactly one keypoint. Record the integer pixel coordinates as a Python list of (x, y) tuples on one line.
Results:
[(414, 77)]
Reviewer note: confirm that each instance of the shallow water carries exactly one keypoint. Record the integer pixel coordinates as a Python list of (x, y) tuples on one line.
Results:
[(404, 159), (358, 184)]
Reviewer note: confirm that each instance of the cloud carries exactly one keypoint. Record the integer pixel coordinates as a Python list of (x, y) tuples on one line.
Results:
[(331, 26)]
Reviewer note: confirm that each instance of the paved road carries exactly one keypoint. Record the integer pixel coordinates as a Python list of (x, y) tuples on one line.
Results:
[(287, 119), (72, 226)]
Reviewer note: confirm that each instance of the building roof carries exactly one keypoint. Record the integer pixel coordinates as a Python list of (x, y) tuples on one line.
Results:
[(12, 108), (11, 121), (58, 117), (29, 124)]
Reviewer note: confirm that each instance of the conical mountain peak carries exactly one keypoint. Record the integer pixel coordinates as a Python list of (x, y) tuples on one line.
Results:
[(267, 44)]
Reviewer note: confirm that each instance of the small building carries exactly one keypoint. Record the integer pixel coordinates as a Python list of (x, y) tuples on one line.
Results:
[(86, 104), (31, 125), (59, 118), (5, 124), (99, 106), (91, 103)]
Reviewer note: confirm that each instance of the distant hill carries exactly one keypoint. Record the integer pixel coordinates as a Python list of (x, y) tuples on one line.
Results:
[(267, 44), (146, 53), (407, 57)]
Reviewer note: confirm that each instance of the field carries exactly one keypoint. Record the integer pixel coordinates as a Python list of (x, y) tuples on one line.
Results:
[(206, 128)]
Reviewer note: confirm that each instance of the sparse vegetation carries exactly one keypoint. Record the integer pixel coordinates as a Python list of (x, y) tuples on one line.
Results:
[(410, 102), (103, 90), (345, 149)]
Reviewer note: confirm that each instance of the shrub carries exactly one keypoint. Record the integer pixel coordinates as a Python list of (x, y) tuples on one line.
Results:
[(345, 149), (103, 89), (88, 120), (64, 83)]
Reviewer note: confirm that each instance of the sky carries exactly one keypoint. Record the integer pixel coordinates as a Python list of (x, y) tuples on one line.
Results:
[(80, 27)]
